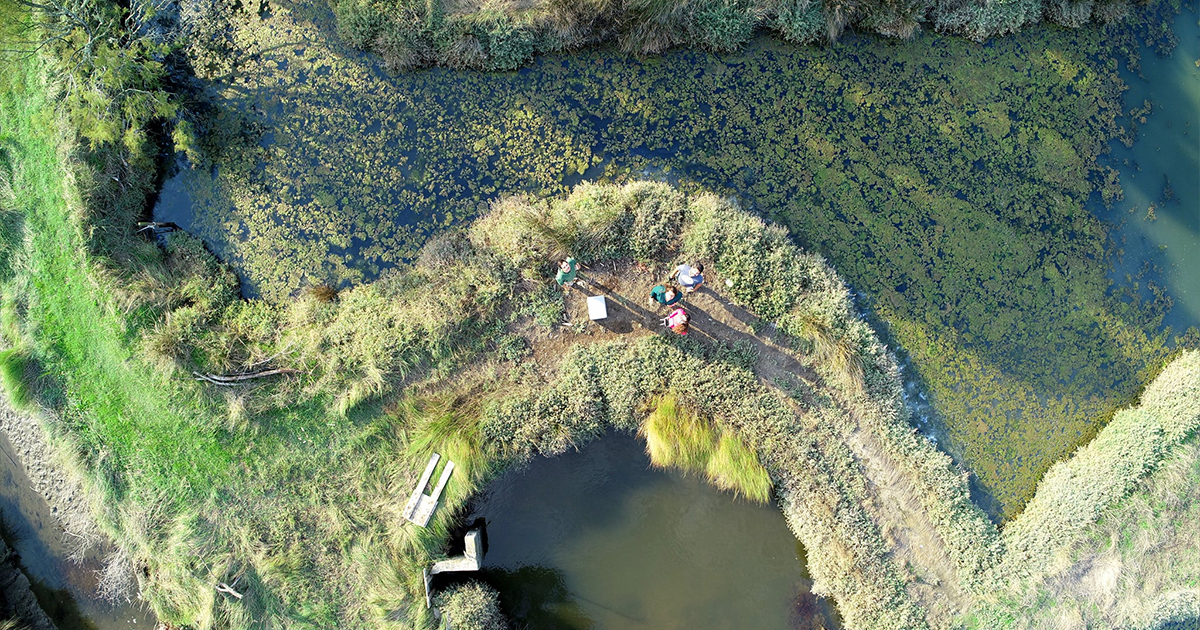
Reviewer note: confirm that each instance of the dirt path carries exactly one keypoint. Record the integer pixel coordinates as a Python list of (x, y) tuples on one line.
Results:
[(915, 545)]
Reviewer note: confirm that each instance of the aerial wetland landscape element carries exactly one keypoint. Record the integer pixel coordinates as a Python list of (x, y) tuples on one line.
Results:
[(1010, 261), (948, 181), (599, 540)]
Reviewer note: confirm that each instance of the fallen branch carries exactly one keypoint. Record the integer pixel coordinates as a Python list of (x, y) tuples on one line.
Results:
[(225, 588), (234, 379)]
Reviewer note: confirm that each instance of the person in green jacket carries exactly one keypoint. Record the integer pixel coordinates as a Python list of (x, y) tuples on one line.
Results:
[(665, 295), (568, 269)]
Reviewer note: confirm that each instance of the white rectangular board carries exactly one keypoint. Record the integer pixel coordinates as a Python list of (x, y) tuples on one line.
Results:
[(597, 307)]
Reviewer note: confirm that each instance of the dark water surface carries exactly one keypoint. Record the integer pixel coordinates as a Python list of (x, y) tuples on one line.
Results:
[(600, 540)]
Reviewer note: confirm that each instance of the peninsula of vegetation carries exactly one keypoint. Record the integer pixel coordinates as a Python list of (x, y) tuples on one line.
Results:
[(270, 443)]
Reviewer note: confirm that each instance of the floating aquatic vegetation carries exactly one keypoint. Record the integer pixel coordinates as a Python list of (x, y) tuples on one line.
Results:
[(945, 180)]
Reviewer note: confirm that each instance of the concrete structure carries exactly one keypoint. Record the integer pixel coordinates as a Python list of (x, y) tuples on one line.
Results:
[(420, 506), (470, 560)]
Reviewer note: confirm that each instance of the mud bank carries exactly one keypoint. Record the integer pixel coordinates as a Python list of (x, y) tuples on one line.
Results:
[(53, 542)]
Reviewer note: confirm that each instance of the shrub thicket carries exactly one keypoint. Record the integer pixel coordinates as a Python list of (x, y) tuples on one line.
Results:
[(407, 33), (472, 606)]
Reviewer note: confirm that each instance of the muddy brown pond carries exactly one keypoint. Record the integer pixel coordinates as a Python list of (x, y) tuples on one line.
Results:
[(600, 540)]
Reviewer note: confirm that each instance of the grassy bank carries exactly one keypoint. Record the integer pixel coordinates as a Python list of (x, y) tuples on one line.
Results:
[(1127, 486)]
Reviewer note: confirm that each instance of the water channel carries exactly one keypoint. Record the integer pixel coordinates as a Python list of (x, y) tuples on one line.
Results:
[(65, 587), (600, 540)]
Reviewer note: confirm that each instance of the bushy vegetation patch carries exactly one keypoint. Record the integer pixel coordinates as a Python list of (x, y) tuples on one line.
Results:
[(409, 34), (472, 606)]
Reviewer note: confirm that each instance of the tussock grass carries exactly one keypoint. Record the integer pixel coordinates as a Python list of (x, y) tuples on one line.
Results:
[(679, 438), (14, 364)]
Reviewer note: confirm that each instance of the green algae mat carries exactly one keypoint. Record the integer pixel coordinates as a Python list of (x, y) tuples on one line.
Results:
[(946, 180)]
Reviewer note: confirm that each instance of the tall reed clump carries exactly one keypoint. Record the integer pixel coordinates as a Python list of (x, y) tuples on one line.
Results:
[(676, 437)]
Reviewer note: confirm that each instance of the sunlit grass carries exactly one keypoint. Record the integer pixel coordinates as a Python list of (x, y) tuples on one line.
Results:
[(676, 437)]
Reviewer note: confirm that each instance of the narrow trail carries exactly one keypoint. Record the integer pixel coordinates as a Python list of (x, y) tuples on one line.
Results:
[(915, 546)]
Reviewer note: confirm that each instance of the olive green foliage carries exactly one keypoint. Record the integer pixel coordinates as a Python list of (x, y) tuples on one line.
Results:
[(112, 69), (639, 221), (407, 33), (1061, 520), (676, 437), (472, 606), (934, 188)]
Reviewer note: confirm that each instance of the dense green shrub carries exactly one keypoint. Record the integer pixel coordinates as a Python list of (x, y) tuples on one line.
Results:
[(472, 606), (359, 23), (725, 25), (799, 21)]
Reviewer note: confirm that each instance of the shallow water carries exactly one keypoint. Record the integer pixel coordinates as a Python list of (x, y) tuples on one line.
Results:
[(1158, 221), (65, 588), (600, 540)]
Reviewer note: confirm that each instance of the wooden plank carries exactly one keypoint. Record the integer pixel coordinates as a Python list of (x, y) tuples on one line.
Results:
[(414, 501), (425, 578), (421, 506), (429, 503)]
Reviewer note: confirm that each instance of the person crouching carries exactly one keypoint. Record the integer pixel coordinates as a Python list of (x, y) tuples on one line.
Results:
[(677, 321)]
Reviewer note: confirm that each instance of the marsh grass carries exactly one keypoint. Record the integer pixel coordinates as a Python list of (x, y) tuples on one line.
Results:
[(677, 437), (498, 37), (14, 372)]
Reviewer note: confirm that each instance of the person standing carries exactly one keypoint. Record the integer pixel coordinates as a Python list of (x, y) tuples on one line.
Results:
[(690, 277), (665, 295), (568, 270)]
